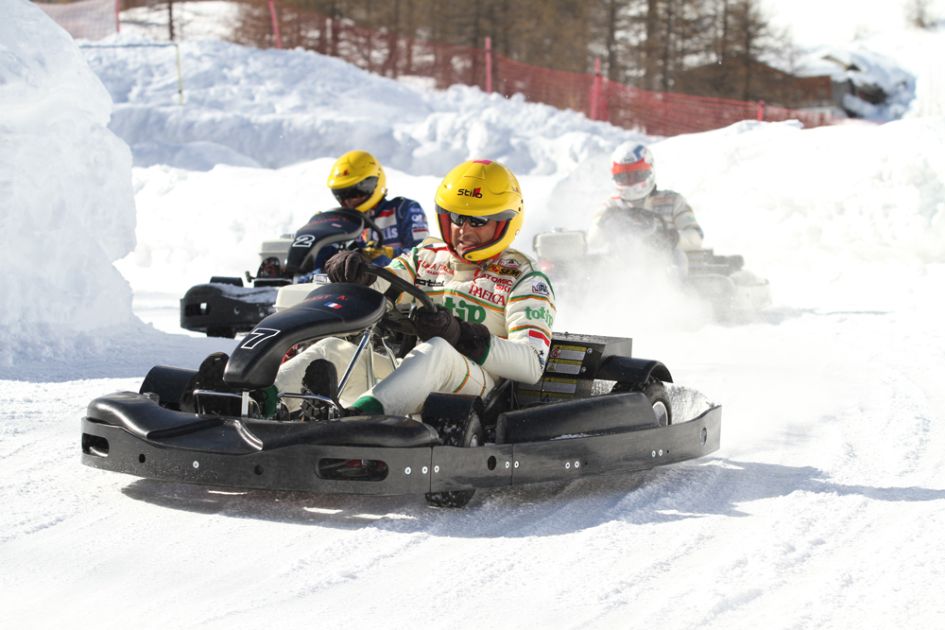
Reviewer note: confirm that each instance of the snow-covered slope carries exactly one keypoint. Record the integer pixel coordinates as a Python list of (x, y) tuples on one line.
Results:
[(66, 191), (822, 509)]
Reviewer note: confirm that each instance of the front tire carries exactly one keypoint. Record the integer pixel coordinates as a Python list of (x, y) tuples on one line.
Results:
[(465, 432)]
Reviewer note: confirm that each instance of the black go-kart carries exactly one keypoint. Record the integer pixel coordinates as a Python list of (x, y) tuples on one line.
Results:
[(595, 410), (226, 306)]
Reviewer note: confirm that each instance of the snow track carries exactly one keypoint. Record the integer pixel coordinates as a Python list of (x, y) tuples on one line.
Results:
[(823, 508), (834, 512)]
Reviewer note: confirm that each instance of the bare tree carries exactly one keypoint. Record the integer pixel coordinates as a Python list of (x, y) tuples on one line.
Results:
[(610, 25), (649, 43)]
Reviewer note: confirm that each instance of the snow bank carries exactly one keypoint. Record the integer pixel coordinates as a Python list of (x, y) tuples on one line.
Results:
[(866, 70), (65, 187), (273, 108), (880, 30)]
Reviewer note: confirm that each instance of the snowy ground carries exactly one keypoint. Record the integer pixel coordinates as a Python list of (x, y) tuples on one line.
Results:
[(823, 509)]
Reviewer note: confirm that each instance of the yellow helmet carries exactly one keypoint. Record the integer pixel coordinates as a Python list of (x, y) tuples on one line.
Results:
[(485, 190), (355, 174)]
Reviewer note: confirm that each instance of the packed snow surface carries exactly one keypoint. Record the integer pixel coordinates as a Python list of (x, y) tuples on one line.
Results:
[(823, 508)]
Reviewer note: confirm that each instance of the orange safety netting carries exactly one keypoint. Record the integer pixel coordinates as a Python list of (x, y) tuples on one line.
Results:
[(267, 23), (86, 19)]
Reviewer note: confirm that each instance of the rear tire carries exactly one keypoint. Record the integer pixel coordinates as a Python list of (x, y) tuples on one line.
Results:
[(465, 432), (655, 392)]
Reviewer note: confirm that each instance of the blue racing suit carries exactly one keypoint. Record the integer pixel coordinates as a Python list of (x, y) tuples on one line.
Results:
[(403, 225)]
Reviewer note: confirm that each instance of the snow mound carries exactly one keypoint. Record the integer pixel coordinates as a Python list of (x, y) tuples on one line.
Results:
[(65, 189), (879, 89), (275, 108)]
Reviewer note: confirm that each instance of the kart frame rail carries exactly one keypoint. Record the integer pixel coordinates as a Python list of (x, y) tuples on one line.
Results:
[(406, 470)]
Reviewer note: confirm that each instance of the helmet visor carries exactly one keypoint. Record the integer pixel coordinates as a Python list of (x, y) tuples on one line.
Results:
[(364, 188), (631, 174), (631, 178), (459, 219)]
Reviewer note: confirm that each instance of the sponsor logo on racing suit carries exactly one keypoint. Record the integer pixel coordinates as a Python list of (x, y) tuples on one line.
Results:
[(540, 313), (486, 294)]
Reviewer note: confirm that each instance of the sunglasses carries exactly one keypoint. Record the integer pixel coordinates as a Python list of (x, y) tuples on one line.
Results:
[(362, 189), (460, 219)]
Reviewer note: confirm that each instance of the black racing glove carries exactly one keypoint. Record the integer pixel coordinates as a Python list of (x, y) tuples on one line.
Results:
[(673, 237), (350, 266), (474, 341), (664, 239), (438, 323), (471, 340)]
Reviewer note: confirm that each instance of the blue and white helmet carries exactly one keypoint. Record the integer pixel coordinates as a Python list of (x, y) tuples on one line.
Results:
[(632, 171)]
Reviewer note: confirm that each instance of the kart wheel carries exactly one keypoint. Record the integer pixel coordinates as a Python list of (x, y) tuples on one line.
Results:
[(655, 392), (457, 432), (461, 432), (171, 386)]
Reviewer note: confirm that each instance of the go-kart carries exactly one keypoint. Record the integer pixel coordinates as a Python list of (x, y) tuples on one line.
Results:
[(595, 410), (731, 291), (225, 306)]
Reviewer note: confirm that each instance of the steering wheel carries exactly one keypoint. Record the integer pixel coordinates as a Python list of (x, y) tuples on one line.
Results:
[(361, 216), (643, 222), (371, 224), (402, 285)]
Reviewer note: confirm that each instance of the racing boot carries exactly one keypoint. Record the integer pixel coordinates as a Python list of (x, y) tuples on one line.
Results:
[(209, 377), (320, 378)]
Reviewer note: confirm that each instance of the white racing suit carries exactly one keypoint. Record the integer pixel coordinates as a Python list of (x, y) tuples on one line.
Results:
[(506, 294), (618, 215)]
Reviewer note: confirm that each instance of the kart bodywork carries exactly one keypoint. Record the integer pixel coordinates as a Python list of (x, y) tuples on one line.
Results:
[(225, 306), (595, 410), (722, 282)]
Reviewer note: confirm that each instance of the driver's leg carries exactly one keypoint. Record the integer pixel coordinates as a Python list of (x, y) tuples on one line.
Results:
[(432, 366), (339, 353)]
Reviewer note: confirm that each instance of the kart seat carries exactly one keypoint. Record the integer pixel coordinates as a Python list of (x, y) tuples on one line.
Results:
[(337, 309)]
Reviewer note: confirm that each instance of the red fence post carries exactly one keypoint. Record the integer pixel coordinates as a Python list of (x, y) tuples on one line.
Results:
[(117, 16), (761, 110), (275, 23), (488, 65), (595, 90)]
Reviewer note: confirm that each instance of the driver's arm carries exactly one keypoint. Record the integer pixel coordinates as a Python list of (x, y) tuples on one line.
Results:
[(411, 225), (600, 234), (529, 315), (405, 267), (684, 220)]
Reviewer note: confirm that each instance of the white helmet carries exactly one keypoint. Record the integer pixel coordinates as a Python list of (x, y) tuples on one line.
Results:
[(632, 171)]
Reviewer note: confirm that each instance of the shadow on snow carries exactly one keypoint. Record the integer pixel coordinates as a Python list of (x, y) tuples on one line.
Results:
[(716, 487)]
